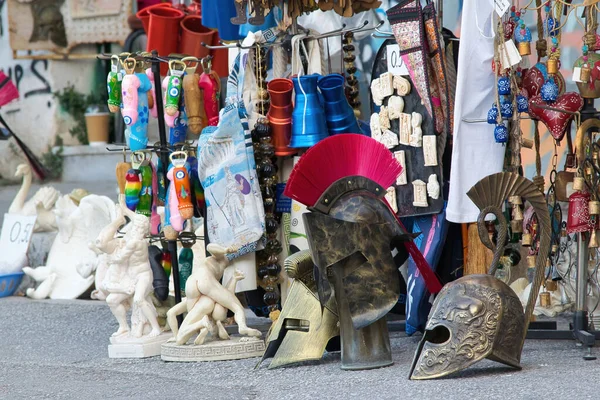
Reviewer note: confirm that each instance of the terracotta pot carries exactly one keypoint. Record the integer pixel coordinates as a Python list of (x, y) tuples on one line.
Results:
[(163, 32), (280, 115), (144, 14), (193, 34)]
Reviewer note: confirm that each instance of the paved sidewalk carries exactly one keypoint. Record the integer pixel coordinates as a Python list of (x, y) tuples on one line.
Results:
[(57, 350)]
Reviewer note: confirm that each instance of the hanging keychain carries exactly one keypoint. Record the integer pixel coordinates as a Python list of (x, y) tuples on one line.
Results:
[(175, 218), (133, 184), (154, 216), (186, 258), (169, 119), (176, 70), (162, 181), (144, 206), (113, 84), (194, 100), (121, 172), (129, 87), (138, 134), (210, 83), (181, 182), (152, 92)]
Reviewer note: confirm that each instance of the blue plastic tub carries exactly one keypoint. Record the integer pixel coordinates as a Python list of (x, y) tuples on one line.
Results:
[(10, 283)]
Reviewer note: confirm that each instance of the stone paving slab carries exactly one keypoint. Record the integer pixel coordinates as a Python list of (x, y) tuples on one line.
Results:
[(57, 350)]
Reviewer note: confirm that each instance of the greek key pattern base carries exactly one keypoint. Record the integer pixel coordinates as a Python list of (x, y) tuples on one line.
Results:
[(213, 351)]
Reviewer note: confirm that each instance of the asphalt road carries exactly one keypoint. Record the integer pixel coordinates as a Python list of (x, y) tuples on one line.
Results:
[(58, 350)]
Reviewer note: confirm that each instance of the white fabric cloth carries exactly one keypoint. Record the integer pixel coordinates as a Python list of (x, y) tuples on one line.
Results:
[(475, 153)]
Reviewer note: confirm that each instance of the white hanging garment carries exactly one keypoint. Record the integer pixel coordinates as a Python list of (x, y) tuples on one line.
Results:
[(475, 153)]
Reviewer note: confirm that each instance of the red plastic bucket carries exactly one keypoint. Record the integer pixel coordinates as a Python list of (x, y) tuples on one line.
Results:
[(144, 14), (193, 34)]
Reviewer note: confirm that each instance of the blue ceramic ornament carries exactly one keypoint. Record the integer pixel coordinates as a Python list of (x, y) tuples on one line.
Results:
[(551, 26), (501, 133), (492, 115), (506, 109), (549, 91), (522, 104), (503, 86)]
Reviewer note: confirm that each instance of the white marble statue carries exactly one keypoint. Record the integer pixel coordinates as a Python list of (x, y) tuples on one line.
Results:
[(77, 226), (128, 277), (207, 301), (433, 187), (41, 204), (416, 135)]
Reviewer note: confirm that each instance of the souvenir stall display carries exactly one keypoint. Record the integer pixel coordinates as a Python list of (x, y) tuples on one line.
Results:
[(279, 191)]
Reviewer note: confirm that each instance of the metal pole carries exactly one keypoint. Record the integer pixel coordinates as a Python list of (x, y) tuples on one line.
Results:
[(581, 287), (164, 156)]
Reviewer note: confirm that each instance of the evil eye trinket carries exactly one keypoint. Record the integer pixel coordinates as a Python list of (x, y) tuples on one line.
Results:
[(492, 115), (501, 133), (522, 104), (503, 86), (506, 110), (549, 91)]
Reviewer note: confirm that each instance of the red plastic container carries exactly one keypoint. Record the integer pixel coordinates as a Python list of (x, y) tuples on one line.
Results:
[(193, 34), (144, 14), (280, 115), (163, 32)]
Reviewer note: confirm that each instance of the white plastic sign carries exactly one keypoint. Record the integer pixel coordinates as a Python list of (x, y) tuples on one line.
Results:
[(14, 241), (501, 6), (395, 64)]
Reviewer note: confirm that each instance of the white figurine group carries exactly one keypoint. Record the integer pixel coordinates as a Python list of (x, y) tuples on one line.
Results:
[(410, 133)]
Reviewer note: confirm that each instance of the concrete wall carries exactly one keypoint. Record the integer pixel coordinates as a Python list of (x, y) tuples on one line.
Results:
[(35, 117)]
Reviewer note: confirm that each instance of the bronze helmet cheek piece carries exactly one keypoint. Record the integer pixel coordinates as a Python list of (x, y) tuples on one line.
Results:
[(478, 316)]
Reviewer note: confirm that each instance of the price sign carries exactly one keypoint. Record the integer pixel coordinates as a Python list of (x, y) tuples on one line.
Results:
[(501, 6), (395, 63), (15, 238)]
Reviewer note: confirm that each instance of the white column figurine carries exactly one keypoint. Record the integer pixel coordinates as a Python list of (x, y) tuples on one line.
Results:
[(417, 133), (430, 150), (420, 194)]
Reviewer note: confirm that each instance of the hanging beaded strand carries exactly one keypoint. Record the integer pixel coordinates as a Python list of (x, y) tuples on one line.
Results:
[(351, 80), (268, 267)]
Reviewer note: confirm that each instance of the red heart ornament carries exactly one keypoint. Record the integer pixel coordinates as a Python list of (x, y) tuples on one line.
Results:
[(534, 78), (556, 121)]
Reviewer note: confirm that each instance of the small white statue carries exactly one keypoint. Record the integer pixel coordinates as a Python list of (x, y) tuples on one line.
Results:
[(395, 107), (376, 92), (41, 204), (401, 157), (389, 139), (433, 187), (416, 136), (375, 127), (390, 196), (128, 279), (430, 150), (77, 227), (405, 129), (386, 84), (402, 85), (384, 119), (419, 194), (207, 301)]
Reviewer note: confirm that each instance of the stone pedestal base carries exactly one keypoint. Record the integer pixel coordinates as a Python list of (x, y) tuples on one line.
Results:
[(236, 348), (137, 347)]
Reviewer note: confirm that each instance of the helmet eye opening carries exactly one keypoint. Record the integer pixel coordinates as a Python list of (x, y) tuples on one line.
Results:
[(438, 335)]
